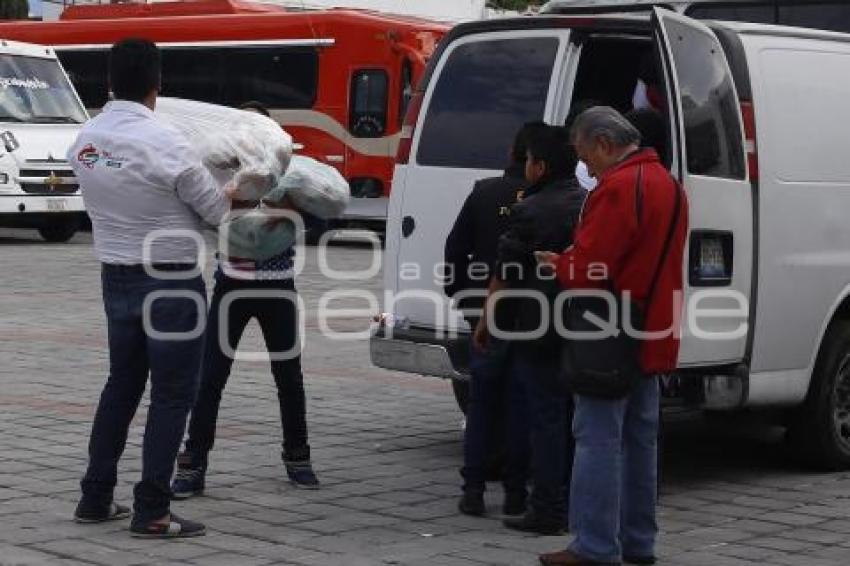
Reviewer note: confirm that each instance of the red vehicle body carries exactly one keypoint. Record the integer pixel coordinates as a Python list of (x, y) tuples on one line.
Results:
[(337, 80)]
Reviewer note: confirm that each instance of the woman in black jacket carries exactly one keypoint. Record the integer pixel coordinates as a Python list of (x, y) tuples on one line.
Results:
[(543, 220)]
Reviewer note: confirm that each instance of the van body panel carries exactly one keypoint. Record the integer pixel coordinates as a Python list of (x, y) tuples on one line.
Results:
[(801, 112), (440, 176), (719, 192)]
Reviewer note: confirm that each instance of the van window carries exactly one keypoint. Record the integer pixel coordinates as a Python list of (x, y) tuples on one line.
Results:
[(833, 16), (278, 77), (88, 71), (765, 13), (713, 133), (486, 92), (369, 98)]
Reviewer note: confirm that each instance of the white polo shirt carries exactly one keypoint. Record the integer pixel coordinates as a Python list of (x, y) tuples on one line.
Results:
[(138, 176)]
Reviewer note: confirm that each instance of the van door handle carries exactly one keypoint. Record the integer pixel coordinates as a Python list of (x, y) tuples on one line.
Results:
[(408, 225)]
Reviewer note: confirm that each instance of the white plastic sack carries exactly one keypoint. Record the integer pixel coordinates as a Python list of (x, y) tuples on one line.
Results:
[(313, 187), (258, 236), (247, 148)]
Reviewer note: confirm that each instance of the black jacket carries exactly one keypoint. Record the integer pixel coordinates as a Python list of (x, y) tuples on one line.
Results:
[(474, 238), (544, 220)]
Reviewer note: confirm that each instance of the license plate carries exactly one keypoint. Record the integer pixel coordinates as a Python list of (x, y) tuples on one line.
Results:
[(57, 205), (712, 264)]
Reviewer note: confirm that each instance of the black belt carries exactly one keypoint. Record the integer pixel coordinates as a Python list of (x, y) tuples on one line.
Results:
[(141, 268)]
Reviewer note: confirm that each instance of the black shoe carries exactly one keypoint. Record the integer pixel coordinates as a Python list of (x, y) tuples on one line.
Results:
[(472, 504), (532, 523), (514, 504), (190, 479), (88, 514), (301, 474), (641, 560), (175, 528)]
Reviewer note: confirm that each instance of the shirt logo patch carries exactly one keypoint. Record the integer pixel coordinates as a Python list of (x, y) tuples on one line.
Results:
[(113, 161), (88, 156)]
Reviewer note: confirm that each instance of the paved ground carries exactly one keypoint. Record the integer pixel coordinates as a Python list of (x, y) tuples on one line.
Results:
[(387, 447)]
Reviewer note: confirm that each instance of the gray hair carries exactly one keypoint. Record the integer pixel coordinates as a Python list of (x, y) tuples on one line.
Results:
[(605, 122)]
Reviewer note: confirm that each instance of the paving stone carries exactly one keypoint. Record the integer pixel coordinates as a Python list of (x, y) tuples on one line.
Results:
[(386, 446)]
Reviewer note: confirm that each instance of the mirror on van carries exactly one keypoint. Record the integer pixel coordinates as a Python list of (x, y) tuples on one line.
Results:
[(10, 142)]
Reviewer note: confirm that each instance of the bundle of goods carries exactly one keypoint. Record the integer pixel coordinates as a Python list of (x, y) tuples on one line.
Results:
[(252, 153), (244, 148)]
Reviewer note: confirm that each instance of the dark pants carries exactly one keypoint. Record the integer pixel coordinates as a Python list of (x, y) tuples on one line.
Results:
[(496, 417), (277, 315), (551, 451), (134, 352)]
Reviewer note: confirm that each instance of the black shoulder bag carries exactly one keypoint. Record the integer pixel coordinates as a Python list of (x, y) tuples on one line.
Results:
[(608, 367)]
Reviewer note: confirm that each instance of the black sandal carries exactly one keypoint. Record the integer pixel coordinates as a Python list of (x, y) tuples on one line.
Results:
[(174, 528), (114, 513)]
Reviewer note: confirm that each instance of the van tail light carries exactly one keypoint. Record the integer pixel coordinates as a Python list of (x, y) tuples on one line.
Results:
[(408, 128), (749, 115)]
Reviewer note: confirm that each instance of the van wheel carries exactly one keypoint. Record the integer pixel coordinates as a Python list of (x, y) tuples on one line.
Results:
[(820, 431), (59, 232), (461, 391)]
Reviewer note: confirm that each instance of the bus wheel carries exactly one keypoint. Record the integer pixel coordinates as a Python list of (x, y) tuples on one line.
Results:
[(461, 391), (820, 432), (58, 231)]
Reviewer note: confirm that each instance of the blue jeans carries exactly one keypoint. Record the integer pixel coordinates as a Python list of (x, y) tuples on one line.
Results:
[(134, 353), (547, 421), (495, 406), (614, 488), (278, 320)]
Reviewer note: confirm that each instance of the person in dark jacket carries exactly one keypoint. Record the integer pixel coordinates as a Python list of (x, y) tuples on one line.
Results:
[(470, 254), (543, 219)]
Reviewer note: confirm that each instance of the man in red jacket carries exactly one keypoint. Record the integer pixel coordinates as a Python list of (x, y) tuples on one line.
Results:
[(619, 243)]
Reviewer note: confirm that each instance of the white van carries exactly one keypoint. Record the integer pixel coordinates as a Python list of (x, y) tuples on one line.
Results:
[(758, 133), (831, 15), (40, 116)]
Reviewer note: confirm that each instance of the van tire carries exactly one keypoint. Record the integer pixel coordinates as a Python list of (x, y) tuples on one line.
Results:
[(461, 391), (59, 232), (820, 429)]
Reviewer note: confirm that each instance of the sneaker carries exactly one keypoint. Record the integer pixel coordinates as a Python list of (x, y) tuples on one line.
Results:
[(190, 479), (514, 504), (301, 474), (472, 503), (87, 514), (532, 523), (174, 528)]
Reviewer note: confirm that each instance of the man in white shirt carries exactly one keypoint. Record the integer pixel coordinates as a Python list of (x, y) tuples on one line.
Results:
[(147, 194)]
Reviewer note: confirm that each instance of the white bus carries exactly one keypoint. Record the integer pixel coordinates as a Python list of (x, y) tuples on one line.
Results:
[(40, 116)]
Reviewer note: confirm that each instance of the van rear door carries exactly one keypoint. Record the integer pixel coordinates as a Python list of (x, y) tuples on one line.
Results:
[(711, 163), (484, 88)]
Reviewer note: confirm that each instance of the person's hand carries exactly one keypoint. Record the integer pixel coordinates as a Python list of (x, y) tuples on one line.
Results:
[(481, 336), (230, 190), (547, 258)]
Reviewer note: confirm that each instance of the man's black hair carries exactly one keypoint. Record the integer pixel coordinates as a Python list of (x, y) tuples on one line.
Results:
[(650, 124), (552, 146), (134, 69), (257, 106), (519, 151)]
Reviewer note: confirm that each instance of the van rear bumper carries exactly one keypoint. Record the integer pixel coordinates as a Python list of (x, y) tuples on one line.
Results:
[(420, 351)]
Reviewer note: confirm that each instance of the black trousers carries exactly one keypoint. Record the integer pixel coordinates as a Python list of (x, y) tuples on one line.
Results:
[(273, 304)]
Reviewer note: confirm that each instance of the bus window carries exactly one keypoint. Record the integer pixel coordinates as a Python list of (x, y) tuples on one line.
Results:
[(406, 89), (87, 71), (277, 77), (369, 97)]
